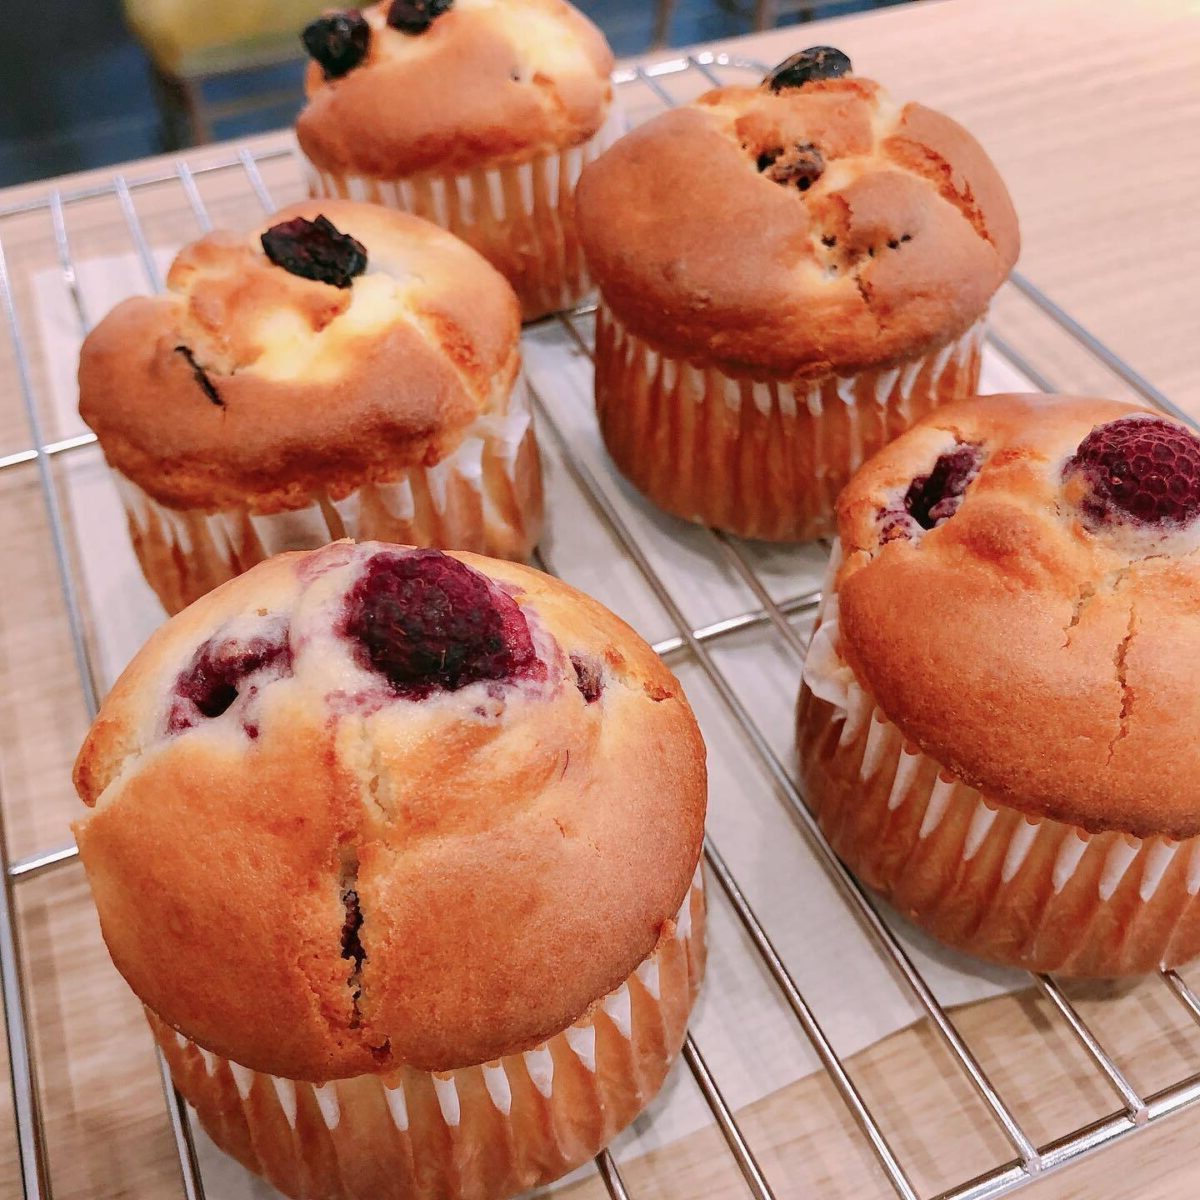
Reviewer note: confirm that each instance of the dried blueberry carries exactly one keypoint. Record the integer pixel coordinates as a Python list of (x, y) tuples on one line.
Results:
[(339, 42), (315, 250), (801, 166), (1142, 467), (817, 62), (430, 623), (416, 16), (216, 674)]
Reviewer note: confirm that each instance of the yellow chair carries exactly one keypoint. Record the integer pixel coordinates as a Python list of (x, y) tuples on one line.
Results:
[(189, 42)]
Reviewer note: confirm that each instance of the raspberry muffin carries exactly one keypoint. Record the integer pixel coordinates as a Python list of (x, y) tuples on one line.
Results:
[(997, 723), (400, 850), (789, 276), (476, 114), (341, 371)]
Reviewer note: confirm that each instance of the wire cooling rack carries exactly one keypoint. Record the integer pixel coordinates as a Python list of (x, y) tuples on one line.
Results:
[(646, 89)]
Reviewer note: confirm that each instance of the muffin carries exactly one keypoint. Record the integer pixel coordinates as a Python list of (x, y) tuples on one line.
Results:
[(400, 850), (789, 276), (475, 114), (342, 371), (997, 722)]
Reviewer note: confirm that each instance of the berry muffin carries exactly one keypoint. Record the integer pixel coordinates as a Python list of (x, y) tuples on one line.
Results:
[(342, 371), (475, 114), (789, 276), (400, 850), (997, 723)]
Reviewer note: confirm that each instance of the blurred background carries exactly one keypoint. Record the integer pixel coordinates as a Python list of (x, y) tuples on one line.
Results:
[(86, 83)]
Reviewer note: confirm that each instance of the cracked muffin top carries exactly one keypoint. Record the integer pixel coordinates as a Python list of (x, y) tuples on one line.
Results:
[(805, 226), (338, 343), (369, 806), (1020, 593), (447, 85)]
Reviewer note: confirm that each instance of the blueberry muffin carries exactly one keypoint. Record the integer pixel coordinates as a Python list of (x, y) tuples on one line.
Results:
[(341, 371), (997, 724), (400, 850), (789, 276), (475, 114)]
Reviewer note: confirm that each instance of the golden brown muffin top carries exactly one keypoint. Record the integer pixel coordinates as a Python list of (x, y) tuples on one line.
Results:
[(366, 806), (1020, 592), (245, 383), (487, 82), (794, 232)]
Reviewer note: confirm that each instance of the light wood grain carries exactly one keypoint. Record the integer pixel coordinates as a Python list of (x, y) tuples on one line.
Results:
[(1092, 112)]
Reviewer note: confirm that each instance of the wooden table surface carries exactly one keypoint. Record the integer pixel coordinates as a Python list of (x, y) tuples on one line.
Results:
[(1092, 112)]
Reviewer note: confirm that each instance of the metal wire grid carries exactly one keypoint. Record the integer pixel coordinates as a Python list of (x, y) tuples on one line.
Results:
[(1135, 1110)]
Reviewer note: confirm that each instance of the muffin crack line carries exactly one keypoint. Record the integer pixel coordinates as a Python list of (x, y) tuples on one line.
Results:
[(1108, 585), (911, 156), (1121, 663), (1085, 595), (200, 375), (864, 291), (351, 933)]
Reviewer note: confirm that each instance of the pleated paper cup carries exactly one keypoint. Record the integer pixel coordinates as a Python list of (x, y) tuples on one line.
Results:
[(759, 458), (484, 497), (980, 875), (519, 216), (478, 1133)]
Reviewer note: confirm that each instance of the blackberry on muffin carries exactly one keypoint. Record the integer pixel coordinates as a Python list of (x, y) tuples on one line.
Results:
[(995, 723), (790, 275), (400, 851), (342, 370)]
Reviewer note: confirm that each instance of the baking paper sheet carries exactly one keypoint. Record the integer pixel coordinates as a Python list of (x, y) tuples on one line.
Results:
[(749, 1038)]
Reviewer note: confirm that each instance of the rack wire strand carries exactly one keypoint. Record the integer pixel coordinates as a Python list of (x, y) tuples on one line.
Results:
[(31, 1130), (756, 1181), (58, 533)]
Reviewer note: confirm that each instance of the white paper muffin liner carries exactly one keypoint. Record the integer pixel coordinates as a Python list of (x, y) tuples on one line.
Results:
[(485, 497), (521, 217), (982, 876), (478, 1133), (759, 458)]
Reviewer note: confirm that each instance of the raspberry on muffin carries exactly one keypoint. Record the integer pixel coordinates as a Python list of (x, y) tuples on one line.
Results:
[(429, 622), (223, 670), (1139, 467)]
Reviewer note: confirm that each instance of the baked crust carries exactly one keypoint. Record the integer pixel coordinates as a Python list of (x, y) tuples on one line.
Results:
[(1049, 666), (485, 84), (697, 251), (320, 388), (512, 868)]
